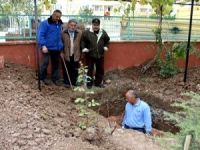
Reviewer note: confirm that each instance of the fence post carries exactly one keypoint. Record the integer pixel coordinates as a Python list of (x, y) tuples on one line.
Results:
[(188, 139)]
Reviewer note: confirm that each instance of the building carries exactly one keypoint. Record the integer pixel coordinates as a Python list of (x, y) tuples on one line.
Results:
[(99, 7)]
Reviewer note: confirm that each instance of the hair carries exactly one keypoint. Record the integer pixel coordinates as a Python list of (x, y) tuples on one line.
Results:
[(73, 20), (96, 20), (58, 11), (133, 93)]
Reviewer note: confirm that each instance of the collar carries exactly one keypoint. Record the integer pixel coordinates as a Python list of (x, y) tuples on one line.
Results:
[(91, 30), (66, 31), (50, 21), (137, 103)]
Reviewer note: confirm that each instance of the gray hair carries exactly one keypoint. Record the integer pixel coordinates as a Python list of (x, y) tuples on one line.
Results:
[(72, 20), (132, 93)]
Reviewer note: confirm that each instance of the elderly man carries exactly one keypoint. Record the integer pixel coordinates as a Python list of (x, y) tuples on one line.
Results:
[(72, 53), (94, 43), (137, 114)]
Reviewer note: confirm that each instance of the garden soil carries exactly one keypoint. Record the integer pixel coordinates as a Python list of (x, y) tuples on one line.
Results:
[(49, 120)]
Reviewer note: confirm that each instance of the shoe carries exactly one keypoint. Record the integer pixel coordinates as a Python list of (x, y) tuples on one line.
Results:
[(46, 82), (89, 86), (56, 83), (67, 86), (100, 86)]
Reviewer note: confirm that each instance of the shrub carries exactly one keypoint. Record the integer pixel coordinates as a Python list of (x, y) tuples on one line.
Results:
[(188, 119)]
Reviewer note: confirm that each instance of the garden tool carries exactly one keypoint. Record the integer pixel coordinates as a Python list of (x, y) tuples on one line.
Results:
[(67, 72)]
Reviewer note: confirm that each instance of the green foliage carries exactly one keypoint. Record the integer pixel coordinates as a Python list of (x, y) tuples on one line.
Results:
[(82, 77), (85, 14), (82, 126), (157, 32), (189, 122), (127, 9), (179, 49), (167, 68), (163, 7), (84, 102), (23, 6)]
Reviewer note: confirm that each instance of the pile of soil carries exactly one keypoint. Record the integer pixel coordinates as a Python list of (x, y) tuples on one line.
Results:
[(48, 119)]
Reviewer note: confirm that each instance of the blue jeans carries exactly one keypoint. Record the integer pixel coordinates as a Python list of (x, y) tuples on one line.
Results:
[(55, 59)]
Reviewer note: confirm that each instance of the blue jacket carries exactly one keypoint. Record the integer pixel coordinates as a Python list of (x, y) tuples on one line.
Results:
[(49, 35)]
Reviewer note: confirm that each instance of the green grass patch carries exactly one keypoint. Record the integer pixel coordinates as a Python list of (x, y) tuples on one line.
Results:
[(189, 122)]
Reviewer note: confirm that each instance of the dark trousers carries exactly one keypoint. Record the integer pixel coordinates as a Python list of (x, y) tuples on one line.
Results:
[(72, 68), (55, 59), (137, 129), (99, 72)]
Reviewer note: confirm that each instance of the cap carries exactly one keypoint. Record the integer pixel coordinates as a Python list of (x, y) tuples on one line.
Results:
[(95, 21)]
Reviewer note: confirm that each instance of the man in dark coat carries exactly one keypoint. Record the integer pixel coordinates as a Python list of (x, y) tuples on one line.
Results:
[(94, 43)]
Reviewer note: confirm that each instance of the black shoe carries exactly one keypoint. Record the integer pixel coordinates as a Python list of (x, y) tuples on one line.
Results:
[(67, 86), (57, 83), (46, 82), (89, 86), (100, 86)]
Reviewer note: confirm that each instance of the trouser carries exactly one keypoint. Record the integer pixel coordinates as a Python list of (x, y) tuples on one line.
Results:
[(55, 59), (99, 73), (72, 68), (137, 129)]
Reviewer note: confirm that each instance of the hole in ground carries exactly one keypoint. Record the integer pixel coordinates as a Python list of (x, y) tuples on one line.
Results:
[(114, 106)]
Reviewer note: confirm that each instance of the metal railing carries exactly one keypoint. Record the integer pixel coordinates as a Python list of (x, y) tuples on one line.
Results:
[(22, 27)]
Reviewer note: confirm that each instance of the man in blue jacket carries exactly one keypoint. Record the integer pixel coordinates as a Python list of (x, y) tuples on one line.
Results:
[(49, 40)]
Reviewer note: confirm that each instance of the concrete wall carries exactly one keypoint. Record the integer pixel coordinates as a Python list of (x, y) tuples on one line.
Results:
[(19, 52), (120, 55)]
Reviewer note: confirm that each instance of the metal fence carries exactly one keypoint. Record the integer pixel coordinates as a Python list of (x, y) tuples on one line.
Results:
[(22, 27)]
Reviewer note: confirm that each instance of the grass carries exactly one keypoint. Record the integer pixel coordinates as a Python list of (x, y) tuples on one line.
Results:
[(189, 122)]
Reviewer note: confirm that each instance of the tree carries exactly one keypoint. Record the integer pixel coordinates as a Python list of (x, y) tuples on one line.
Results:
[(161, 8), (23, 6), (85, 14)]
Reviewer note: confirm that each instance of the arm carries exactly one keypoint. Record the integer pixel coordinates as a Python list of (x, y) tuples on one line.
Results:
[(42, 34), (123, 117), (106, 40), (147, 120), (84, 42), (62, 52)]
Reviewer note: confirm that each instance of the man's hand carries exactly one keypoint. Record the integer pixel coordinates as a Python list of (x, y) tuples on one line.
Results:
[(62, 55), (85, 50), (148, 134), (44, 49), (105, 49)]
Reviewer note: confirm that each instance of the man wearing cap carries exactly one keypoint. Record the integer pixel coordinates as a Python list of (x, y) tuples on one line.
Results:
[(93, 44), (137, 114), (71, 54)]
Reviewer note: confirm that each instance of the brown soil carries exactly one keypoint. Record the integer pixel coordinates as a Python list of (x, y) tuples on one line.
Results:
[(48, 119)]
